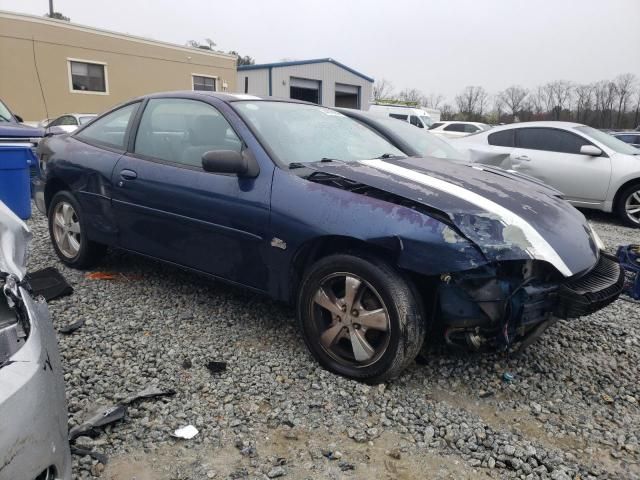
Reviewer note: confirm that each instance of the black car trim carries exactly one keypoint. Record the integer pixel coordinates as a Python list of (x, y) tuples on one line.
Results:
[(177, 216)]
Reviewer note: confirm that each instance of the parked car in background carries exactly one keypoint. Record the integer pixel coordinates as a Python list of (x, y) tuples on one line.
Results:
[(12, 131), (68, 122), (412, 142), (306, 205), (457, 129), (33, 408), (630, 137), (591, 168), (418, 117)]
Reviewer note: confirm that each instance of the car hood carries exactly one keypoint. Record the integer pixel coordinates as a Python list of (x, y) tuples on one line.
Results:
[(507, 218), (14, 243), (17, 130)]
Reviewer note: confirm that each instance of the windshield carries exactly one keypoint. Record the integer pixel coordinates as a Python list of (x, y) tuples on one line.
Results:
[(299, 133), (609, 141), (86, 119), (425, 143), (5, 114), (426, 121)]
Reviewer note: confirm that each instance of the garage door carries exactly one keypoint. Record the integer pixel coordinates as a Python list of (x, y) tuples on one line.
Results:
[(304, 89), (347, 96)]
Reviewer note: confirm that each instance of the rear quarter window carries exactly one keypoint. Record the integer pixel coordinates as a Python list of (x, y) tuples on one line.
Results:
[(505, 138)]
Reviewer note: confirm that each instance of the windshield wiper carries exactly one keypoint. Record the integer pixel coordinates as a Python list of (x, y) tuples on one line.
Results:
[(388, 155), (325, 159)]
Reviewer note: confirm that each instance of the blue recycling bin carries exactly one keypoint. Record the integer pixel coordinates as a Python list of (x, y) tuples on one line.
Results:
[(15, 183)]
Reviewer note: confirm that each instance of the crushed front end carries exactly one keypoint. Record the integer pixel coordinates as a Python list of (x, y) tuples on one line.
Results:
[(496, 305)]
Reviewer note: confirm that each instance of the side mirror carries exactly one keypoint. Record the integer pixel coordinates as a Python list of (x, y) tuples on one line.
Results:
[(230, 161), (18, 118), (591, 150), (51, 131)]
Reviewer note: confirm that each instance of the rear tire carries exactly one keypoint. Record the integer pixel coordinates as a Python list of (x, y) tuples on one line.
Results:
[(67, 229), (360, 317), (628, 206)]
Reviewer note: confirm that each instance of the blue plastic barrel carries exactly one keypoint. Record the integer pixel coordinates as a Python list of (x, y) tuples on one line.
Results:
[(15, 185)]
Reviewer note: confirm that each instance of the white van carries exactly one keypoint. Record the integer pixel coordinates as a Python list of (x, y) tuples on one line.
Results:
[(420, 117)]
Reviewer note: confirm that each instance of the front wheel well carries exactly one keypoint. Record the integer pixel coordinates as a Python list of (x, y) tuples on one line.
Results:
[(322, 247), (318, 248), (622, 188), (52, 187)]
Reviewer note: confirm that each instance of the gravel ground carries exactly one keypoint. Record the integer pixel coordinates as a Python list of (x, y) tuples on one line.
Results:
[(572, 410)]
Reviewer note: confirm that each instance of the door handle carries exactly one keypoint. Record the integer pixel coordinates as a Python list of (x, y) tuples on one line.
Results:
[(128, 175), (523, 158)]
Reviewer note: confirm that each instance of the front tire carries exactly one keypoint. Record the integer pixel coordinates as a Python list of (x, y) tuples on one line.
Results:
[(67, 229), (628, 207), (360, 317)]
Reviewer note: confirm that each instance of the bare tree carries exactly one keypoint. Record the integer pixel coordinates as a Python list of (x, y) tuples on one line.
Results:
[(498, 108), (446, 112), (411, 95), (472, 102), (605, 99), (584, 98), (513, 99), (382, 89), (624, 87), (433, 100), (636, 116), (560, 92)]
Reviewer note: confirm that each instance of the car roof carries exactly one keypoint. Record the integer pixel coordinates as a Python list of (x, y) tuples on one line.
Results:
[(538, 124), (224, 96)]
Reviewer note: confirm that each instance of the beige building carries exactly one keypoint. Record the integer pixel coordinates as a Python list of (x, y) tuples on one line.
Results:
[(50, 67)]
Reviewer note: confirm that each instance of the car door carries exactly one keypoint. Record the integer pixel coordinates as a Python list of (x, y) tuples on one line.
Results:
[(553, 156), (168, 207)]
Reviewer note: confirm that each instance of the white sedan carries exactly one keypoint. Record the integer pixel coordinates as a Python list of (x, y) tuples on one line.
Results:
[(591, 168), (457, 129), (69, 122)]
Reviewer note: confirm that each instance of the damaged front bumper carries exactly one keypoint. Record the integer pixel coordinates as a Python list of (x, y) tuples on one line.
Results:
[(33, 410), (494, 306)]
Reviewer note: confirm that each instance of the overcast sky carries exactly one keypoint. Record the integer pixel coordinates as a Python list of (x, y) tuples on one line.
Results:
[(437, 46)]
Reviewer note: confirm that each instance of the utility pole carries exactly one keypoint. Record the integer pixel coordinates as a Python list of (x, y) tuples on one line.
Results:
[(50, 8)]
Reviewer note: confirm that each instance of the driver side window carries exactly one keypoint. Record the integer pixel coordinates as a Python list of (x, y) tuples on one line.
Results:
[(180, 131)]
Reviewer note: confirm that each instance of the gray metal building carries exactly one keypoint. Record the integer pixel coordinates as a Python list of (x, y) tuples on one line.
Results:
[(324, 81)]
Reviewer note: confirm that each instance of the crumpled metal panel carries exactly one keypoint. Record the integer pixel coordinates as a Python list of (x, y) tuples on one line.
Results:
[(14, 243)]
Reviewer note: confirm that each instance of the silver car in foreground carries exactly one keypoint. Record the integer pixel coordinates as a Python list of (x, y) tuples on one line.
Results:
[(591, 168), (33, 410)]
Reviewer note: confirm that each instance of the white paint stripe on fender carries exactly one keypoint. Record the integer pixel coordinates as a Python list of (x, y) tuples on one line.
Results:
[(538, 248)]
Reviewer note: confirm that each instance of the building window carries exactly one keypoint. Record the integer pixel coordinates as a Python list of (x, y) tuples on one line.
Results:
[(201, 82), (246, 84), (87, 76)]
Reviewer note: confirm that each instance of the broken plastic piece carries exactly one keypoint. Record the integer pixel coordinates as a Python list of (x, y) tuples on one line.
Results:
[(114, 413), (187, 432), (49, 283), (101, 418), (72, 327), (149, 392), (102, 458), (217, 367)]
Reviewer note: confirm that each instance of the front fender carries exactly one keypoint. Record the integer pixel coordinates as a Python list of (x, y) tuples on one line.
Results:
[(303, 212)]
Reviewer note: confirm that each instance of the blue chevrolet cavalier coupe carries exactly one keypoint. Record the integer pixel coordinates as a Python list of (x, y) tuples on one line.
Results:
[(377, 250)]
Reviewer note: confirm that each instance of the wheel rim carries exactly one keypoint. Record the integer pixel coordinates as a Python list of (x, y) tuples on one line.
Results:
[(351, 320), (632, 207), (66, 229)]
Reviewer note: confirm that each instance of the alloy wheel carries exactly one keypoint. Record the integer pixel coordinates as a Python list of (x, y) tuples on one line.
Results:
[(351, 320), (66, 229), (632, 207)]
